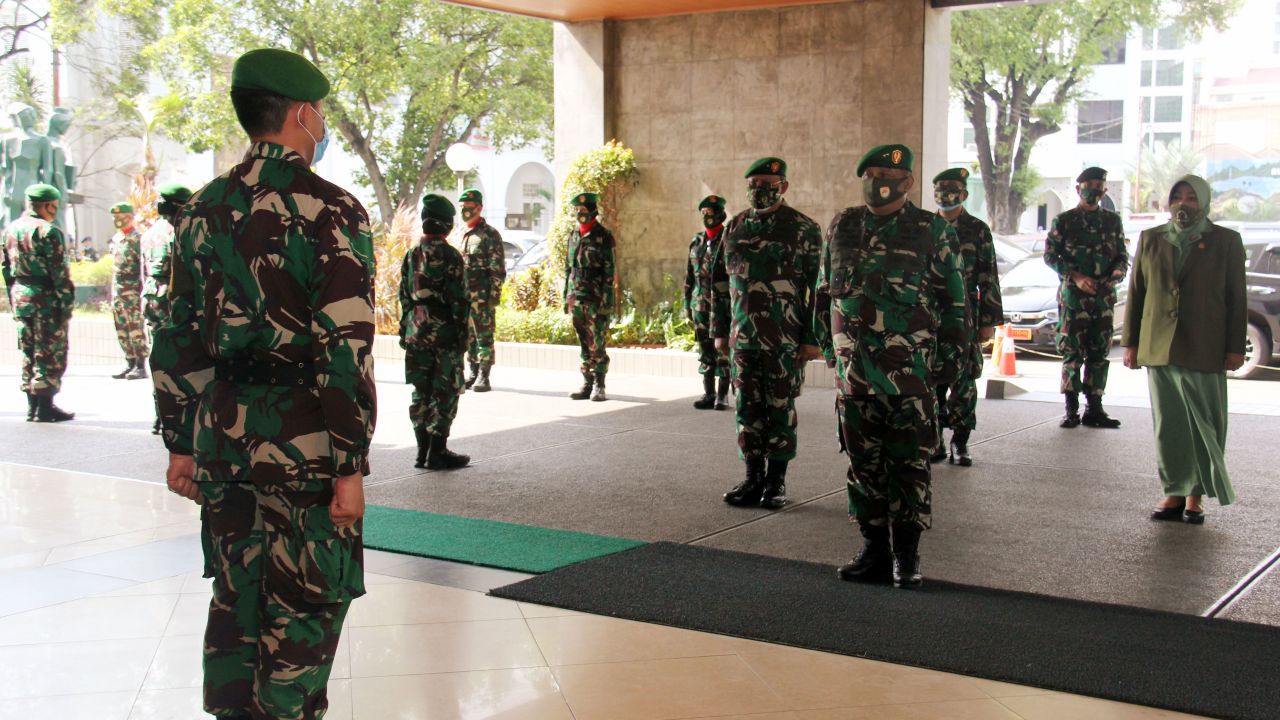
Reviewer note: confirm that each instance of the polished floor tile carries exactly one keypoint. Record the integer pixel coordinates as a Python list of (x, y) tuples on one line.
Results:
[(519, 694), (189, 616), (34, 588), (177, 664), (95, 706), (416, 602), (955, 710), (442, 647), (96, 618), (1071, 707), (584, 639), (64, 668), (144, 563)]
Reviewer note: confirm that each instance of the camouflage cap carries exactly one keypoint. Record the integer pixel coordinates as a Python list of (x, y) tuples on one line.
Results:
[(437, 206), (174, 192), (122, 207), (1092, 173), (712, 201), (586, 198), (471, 195), (768, 166), (894, 156), (41, 192), (279, 72), (959, 175)]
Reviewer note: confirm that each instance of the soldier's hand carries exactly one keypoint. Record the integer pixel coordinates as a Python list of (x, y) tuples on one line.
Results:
[(809, 352), (181, 477), (1131, 358), (722, 345), (348, 500), (1087, 285), (1233, 362), (985, 334)]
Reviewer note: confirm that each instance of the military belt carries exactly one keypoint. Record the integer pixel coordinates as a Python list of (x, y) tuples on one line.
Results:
[(271, 373)]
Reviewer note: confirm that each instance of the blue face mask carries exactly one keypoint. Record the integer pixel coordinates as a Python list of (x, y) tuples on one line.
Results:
[(322, 143), (320, 148)]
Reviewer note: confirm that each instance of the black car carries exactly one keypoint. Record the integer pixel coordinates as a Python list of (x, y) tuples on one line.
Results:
[(1030, 294), (1262, 285)]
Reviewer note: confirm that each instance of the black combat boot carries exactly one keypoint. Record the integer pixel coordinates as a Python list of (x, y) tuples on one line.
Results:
[(906, 556), (47, 412), (708, 399), (139, 371), (442, 458), (722, 393), (1072, 418), (482, 380), (874, 563), (940, 450), (1095, 416), (960, 448), (473, 373), (32, 402), (125, 372), (598, 395), (155, 426), (587, 383), (747, 493), (424, 446), (774, 496)]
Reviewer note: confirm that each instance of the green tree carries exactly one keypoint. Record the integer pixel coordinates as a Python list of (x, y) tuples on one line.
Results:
[(410, 77), (1017, 70), (16, 18), (1157, 170)]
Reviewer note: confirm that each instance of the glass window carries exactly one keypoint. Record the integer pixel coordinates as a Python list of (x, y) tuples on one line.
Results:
[(1100, 121), (1146, 73), (1112, 51), (1168, 139), (1170, 38), (1168, 109), (1168, 72), (970, 136), (1148, 39), (1270, 263)]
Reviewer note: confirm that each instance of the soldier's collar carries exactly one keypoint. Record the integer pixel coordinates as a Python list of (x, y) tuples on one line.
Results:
[(276, 151)]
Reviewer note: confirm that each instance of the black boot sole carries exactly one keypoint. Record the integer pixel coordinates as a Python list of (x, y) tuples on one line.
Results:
[(1069, 422)]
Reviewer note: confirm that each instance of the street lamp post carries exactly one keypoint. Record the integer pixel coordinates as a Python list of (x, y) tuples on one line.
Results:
[(461, 159)]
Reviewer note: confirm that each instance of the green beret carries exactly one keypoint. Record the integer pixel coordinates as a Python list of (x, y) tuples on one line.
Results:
[(122, 207), (712, 201), (43, 193), (1092, 173), (959, 175), (174, 192), (768, 166), (896, 157), (586, 199), (279, 72), (471, 195), (437, 206)]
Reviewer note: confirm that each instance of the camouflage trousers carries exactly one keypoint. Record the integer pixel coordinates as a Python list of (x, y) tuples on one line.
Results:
[(767, 385), (888, 439), (592, 327), (958, 404), (437, 384), (1084, 340), (126, 308), (710, 361), (480, 328), (43, 342)]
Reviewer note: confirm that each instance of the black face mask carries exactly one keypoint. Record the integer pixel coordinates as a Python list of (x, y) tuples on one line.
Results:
[(1091, 196), (762, 198), (468, 214), (586, 217), (712, 220), (1185, 215), (878, 192)]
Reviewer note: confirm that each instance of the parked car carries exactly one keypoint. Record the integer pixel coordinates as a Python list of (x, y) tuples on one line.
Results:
[(515, 243), (1262, 287), (1008, 253), (535, 255), (1030, 294)]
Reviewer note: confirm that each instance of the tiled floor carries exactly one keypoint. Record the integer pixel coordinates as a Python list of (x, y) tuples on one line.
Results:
[(101, 610)]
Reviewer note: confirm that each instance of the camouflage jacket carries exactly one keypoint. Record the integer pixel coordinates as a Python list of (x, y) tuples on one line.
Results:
[(703, 256), (433, 297), (485, 260), (589, 269), (1090, 242), (762, 286), (158, 241), (272, 263), (891, 302), (126, 263), (35, 269)]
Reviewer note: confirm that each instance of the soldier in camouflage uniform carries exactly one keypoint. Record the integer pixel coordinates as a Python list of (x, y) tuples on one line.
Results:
[(892, 316), (126, 292), (588, 293), (434, 316), (157, 242), (1086, 248), (264, 375), (704, 251), (486, 269), (41, 296), (762, 314), (958, 402)]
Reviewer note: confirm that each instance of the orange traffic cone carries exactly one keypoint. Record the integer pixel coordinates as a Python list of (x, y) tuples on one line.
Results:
[(1008, 366), (997, 342)]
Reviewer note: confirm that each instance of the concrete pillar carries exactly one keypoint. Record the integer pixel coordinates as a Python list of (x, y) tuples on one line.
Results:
[(937, 95), (579, 91)]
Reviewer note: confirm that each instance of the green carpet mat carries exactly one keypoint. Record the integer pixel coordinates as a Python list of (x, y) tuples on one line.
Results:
[(483, 542)]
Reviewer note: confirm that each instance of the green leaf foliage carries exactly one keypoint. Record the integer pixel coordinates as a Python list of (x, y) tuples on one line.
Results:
[(609, 171)]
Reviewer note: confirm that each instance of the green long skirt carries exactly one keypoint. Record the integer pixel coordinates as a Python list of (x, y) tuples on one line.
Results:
[(1189, 411)]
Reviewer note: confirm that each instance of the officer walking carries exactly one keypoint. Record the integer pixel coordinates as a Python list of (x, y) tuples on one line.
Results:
[(588, 293), (890, 271), (762, 314), (41, 295), (434, 312), (958, 402), (486, 269), (264, 375), (158, 241), (1086, 248), (704, 251), (126, 292)]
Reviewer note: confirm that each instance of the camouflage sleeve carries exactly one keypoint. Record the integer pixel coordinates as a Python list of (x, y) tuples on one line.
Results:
[(405, 295), (568, 270), (720, 316), (456, 286), (806, 293), (610, 272), (690, 278), (822, 296), (342, 331), (497, 262), (60, 272), (990, 310), (1055, 252), (952, 305), (180, 368), (1120, 264)]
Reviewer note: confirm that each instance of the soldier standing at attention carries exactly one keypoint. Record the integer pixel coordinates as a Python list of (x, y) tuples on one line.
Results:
[(588, 293), (41, 296), (158, 239), (264, 375), (434, 312), (762, 314), (486, 269), (892, 316), (1086, 248), (704, 251), (958, 402), (126, 292)]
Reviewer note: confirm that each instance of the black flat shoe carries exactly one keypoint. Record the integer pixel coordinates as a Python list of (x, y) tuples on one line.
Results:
[(1169, 513), (1193, 517)]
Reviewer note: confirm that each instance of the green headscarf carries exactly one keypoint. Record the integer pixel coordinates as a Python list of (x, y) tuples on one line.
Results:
[(1181, 236)]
